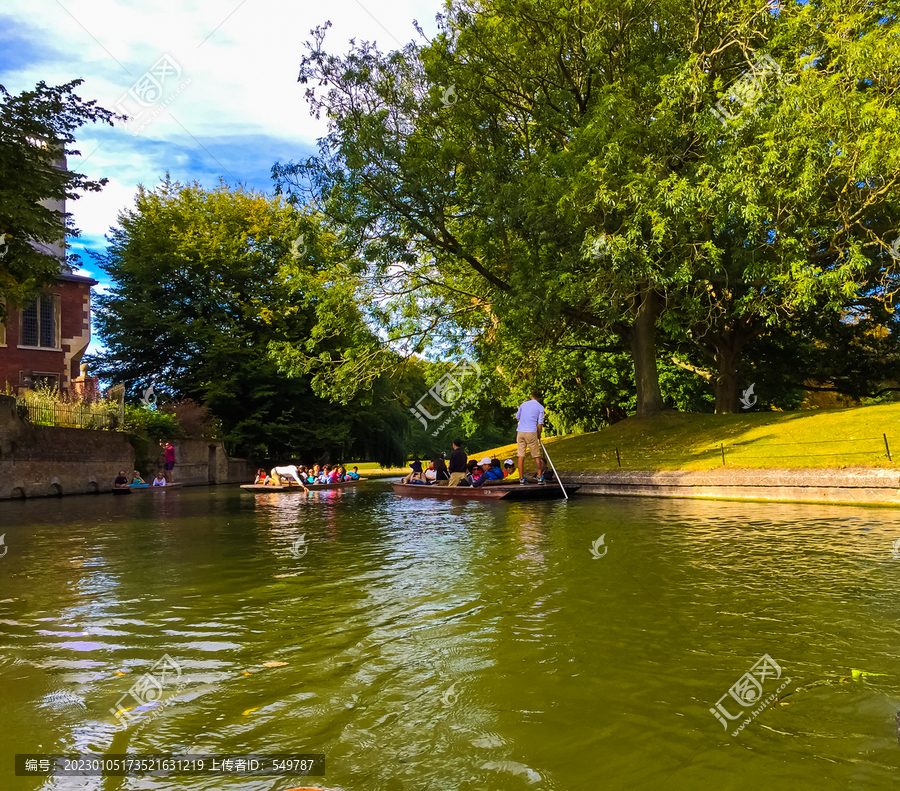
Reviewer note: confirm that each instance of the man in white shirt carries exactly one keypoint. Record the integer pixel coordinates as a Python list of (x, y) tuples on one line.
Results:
[(287, 472), (528, 434)]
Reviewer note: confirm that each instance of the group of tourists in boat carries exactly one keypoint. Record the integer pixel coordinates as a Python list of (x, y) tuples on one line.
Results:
[(459, 470), (137, 482), (323, 475)]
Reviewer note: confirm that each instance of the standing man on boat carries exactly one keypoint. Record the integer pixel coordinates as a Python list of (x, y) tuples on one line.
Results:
[(170, 462), (457, 463), (528, 434)]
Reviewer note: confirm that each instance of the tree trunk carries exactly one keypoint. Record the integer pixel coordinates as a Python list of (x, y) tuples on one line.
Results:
[(642, 337), (728, 361), (729, 354)]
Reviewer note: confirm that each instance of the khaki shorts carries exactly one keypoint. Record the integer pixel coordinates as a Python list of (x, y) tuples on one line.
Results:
[(455, 478), (528, 439)]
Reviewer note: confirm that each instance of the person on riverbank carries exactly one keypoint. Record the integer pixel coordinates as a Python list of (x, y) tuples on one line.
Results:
[(457, 463), (491, 472), (528, 434), (121, 481), (160, 479), (170, 462)]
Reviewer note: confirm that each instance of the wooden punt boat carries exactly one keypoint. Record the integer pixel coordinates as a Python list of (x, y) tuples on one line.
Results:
[(532, 491), (293, 487), (140, 488)]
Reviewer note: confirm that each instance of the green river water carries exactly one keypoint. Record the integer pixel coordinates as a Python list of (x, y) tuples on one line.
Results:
[(443, 645)]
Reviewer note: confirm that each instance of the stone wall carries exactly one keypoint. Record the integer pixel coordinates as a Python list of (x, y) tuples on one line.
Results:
[(41, 461), (861, 485), (200, 462)]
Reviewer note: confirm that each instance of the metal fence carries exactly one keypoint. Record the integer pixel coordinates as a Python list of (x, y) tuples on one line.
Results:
[(92, 416), (866, 450)]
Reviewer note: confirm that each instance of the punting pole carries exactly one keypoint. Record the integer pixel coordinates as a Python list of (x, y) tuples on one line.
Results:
[(554, 470)]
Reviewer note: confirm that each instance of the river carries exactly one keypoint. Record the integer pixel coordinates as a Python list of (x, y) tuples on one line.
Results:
[(463, 646)]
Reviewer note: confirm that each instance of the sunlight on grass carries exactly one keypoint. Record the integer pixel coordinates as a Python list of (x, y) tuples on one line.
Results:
[(676, 441)]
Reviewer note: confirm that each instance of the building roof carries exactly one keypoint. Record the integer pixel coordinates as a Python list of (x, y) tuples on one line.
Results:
[(77, 278)]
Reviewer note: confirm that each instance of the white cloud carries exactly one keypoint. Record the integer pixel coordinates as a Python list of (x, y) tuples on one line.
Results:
[(242, 60), (95, 212)]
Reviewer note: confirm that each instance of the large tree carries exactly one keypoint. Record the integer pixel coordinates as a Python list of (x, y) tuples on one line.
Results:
[(37, 129), (202, 282), (560, 169)]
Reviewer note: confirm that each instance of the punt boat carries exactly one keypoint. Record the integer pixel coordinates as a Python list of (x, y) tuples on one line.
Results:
[(294, 487), (532, 491)]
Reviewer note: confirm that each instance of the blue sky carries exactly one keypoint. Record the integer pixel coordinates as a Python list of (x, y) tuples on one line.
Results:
[(227, 68)]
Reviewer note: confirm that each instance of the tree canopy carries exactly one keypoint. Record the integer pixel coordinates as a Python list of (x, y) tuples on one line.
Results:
[(604, 174), (37, 129), (203, 282)]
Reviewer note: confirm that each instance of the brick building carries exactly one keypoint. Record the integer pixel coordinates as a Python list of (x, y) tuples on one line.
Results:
[(46, 340)]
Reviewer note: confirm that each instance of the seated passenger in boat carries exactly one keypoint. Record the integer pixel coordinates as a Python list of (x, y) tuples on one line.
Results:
[(353, 475), (160, 479), (290, 471), (509, 470), (473, 471), (121, 481), (416, 476), (491, 472), (314, 473), (137, 480), (430, 473), (261, 477), (441, 475)]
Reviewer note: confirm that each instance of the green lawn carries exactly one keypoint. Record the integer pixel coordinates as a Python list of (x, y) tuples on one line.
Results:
[(675, 441)]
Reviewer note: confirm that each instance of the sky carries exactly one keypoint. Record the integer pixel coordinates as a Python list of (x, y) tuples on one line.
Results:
[(212, 85)]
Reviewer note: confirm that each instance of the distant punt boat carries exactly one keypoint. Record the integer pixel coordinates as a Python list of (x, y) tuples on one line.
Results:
[(293, 487), (549, 491), (145, 487)]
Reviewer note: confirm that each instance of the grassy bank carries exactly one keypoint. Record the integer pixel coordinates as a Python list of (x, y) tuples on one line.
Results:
[(675, 441)]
